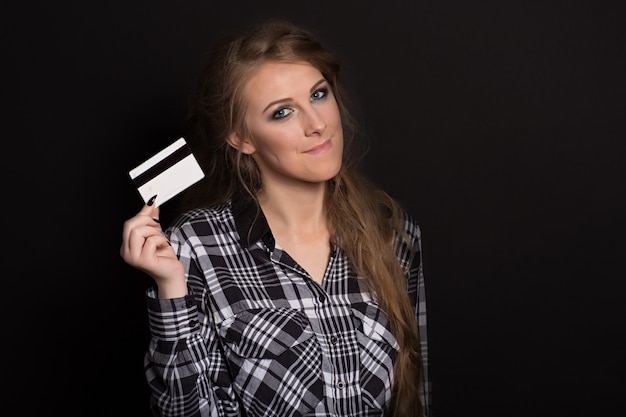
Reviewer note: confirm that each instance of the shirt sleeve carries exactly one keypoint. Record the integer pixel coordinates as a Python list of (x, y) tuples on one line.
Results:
[(420, 311), (184, 365), (418, 295)]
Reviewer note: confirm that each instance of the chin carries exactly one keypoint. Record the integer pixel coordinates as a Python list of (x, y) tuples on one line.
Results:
[(328, 174)]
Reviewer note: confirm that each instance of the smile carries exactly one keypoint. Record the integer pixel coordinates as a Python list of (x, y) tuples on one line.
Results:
[(322, 147)]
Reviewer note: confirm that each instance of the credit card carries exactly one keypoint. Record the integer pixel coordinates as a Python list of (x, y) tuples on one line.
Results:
[(167, 173)]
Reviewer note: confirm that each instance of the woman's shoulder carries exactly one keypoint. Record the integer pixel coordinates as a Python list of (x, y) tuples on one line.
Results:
[(410, 224), (216, 214), (408, 232)]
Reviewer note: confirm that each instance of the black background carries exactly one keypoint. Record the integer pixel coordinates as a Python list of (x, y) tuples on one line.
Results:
[(498, 124)]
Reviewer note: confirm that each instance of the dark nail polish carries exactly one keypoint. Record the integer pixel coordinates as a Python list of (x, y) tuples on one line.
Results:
[(157, 220), (151, 201)]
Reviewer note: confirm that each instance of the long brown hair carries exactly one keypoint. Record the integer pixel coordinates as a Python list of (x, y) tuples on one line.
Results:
[(362, 228)]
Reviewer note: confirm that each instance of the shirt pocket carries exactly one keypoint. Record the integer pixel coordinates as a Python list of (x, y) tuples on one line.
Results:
[(378, 352), (275, 358)]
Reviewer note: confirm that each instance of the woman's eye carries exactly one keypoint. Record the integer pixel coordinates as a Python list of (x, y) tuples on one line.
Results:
[(318, 94), (282, 113)]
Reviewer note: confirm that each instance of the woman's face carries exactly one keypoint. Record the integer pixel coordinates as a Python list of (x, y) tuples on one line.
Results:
[(294, 123)]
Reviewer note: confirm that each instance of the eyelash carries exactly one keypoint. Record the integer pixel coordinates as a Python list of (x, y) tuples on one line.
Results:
[(279, 113), (323, 91), (282, 112)]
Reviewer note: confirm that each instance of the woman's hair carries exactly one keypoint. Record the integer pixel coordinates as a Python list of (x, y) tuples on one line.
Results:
[(363, 219)]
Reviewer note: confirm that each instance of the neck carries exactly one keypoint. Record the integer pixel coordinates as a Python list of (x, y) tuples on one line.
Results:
[(299, 207)]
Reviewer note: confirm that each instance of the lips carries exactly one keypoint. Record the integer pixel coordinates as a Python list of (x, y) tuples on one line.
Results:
[(322, 147)]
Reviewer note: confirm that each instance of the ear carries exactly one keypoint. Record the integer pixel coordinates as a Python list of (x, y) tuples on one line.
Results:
[(243, 145)]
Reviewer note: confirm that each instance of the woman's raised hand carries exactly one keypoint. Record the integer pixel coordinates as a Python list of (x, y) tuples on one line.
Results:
[(145, 247)]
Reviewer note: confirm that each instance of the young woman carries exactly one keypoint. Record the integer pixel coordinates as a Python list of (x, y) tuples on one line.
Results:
[(289, 285)]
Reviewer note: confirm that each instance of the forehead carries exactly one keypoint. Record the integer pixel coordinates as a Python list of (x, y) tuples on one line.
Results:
[(276, 80)]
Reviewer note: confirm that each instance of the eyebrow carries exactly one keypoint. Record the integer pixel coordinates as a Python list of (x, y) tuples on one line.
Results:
[(288, 99)]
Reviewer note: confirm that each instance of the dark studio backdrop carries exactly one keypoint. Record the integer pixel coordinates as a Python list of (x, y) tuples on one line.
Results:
[(499, 126)]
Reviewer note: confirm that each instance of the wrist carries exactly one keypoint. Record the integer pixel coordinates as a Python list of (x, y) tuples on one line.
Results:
[(176, 289)]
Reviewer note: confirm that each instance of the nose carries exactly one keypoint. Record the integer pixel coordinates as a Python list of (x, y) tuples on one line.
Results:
[(314, 123)]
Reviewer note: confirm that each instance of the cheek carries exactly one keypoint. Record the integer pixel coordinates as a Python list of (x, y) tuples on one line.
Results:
[(333, 114), (274, 141)]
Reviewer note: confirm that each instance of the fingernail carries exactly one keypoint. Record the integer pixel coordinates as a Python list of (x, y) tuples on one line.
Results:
[(151, 201), (157, 220)]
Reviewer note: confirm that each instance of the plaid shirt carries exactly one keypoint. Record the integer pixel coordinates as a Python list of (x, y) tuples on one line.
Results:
[(257, 336)]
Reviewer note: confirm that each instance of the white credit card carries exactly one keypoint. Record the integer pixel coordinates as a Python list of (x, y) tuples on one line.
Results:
[(167, 173)]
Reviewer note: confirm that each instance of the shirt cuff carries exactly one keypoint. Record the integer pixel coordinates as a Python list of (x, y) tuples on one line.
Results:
[(173, 318)]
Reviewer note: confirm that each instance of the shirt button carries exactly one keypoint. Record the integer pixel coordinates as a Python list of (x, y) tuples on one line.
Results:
[(340, 384), (333, 340), (321, 298)]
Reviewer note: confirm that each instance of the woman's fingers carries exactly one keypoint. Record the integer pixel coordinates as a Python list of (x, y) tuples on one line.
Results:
[(145, 224), (145, 247), (157, 258), (143, 240)]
